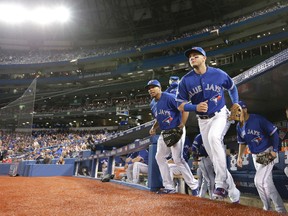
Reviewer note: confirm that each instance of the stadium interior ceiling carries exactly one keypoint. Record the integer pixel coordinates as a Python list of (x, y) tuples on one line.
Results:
[(106, 22), (98, 19)]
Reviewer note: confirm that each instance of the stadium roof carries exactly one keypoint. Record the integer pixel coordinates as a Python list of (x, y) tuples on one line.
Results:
[(96, 19)]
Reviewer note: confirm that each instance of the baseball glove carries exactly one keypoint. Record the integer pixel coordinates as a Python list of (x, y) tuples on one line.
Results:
[(264, 158), (236, 111), (172, 136)]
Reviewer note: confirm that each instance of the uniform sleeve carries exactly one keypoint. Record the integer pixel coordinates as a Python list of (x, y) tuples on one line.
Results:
[(173, 102), (228, 83), (267, 126), (271, 130), (182, 94), (240, 139), (152, 105)]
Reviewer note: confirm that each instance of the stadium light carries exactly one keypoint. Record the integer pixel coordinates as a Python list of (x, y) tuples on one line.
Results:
[(17, 14)]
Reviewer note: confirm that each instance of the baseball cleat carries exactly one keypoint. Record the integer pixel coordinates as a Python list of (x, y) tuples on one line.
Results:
[(166, 191), (237, 202), (220, 193), (195, 192)]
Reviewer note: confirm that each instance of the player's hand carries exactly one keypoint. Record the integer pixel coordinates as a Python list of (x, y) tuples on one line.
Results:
[(152, 131), (274, 154), (202, 106), (239, 162)]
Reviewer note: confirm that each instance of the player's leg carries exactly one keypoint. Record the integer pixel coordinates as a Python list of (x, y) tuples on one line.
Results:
[(208, 174), (215, 140), (129, 172), (264, 181), (174, 170), (204, 184), (162, 153), (177, 154), (259, 183), (203, 189), (233, 192), (137, 169), (212, 131)]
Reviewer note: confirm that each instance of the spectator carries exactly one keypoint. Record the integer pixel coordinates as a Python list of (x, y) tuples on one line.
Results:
[(39, 158), (47, 159), (61, 160)]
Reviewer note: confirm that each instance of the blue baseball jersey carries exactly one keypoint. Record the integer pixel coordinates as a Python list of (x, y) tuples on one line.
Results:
[(133, 155), (209, 86), (145, 155), (173, 88), (256, 133), (197, 146), (187, 146), (165, 111), (119, 160)]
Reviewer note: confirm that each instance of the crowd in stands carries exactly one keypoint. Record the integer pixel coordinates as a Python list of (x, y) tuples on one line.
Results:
[(94, 105), (52, 143), (43, 56)]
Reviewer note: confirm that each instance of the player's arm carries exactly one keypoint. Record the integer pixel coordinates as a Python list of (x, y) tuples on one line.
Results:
[(233, 93), (275, 140), (241, 151), (189, 107), (154, 128), (137, 159), (184, 119)]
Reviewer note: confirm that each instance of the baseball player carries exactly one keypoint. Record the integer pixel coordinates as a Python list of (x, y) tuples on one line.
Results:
[(261, 136), (167, 116), (129, 165), (202, 91), (207, 169), (173, 82), (140, 165)]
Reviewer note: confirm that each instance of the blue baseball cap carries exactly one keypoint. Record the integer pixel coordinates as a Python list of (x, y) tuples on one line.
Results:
[(195, 49), (174, 78), (242, 104), (153, 83)]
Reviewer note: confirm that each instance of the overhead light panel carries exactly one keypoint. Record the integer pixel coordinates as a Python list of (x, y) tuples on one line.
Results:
[(17, 14)]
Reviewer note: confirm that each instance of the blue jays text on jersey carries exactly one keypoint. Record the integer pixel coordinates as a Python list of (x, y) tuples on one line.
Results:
[(166, 112), (209, 86), (256, 133)]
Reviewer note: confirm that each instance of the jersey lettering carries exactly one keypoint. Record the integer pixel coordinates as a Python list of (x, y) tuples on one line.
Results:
[(209, 87), (164, 112), (195, 91), (213, 87), (253, 132)]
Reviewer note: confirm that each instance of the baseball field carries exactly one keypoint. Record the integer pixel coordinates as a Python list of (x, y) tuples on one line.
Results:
[(21, 196)]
